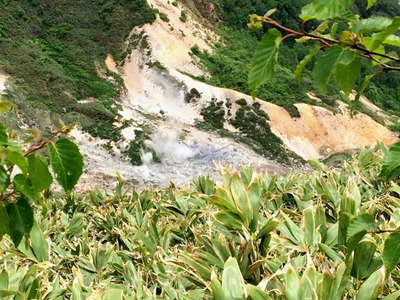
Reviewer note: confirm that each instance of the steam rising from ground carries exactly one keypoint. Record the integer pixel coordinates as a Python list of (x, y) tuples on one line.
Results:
[(168, 147), (183, 158)]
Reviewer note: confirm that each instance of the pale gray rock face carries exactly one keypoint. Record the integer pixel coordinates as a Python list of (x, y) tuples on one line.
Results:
[(3, 79), (182, 160)]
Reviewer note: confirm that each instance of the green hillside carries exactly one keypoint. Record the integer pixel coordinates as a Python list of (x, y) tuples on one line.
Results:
[(54, 51)]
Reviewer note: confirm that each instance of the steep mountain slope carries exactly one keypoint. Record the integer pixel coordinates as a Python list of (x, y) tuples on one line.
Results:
[(165, 126), (315, 134)]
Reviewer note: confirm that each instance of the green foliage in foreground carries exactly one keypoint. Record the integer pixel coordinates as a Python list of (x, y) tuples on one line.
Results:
[(323, 235), (25, 177)]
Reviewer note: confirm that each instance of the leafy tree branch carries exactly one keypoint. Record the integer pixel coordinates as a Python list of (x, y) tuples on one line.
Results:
[(335, 55)]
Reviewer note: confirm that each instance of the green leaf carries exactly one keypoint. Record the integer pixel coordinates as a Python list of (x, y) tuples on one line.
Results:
[(310, 232), (341, 279), (369, 25), (371, 3), (4, 280), (391, 165), (256, 293), (358, 228), (67, 163), (309, 281), (39, 174), (333, 31), (361, 223), (3, 134), (241, 199), (230, 220), (344, 220), (267, 228), (232, 280), (371, 288), (325, 9), (326, 287), (305, 61), (348, 71), (391, 251), (291, 231), (4, 221), (113, 294), (77, 293), (292, 284), (392, 40), (365, 263), (380, 37), (361, 88), (265, 60), (24, 186), (6, 106), (200, 268), (216, 288), (330, 252), (393, 296), (101, 256), (39, 244), (21, 214), (25, 248), (326, 64), (4, 179), (6, 293), (18, 159)]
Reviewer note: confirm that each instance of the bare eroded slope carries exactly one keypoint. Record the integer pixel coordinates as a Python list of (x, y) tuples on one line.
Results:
[(317, 133)]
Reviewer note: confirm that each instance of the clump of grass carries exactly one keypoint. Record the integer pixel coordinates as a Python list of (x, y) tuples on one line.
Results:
[(163, 17), (183, 17)]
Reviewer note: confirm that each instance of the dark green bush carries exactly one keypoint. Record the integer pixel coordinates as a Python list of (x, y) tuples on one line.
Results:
[(192, 95), (214, 114), (183, 16), (164, 17)]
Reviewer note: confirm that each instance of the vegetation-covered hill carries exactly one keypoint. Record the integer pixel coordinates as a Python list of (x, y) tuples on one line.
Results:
[(55, 50)]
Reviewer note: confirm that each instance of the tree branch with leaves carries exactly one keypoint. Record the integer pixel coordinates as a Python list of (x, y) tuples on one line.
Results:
[(337, 55), (25, 175)]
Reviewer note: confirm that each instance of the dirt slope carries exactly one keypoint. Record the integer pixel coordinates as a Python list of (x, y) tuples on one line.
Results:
[(317, 133)]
